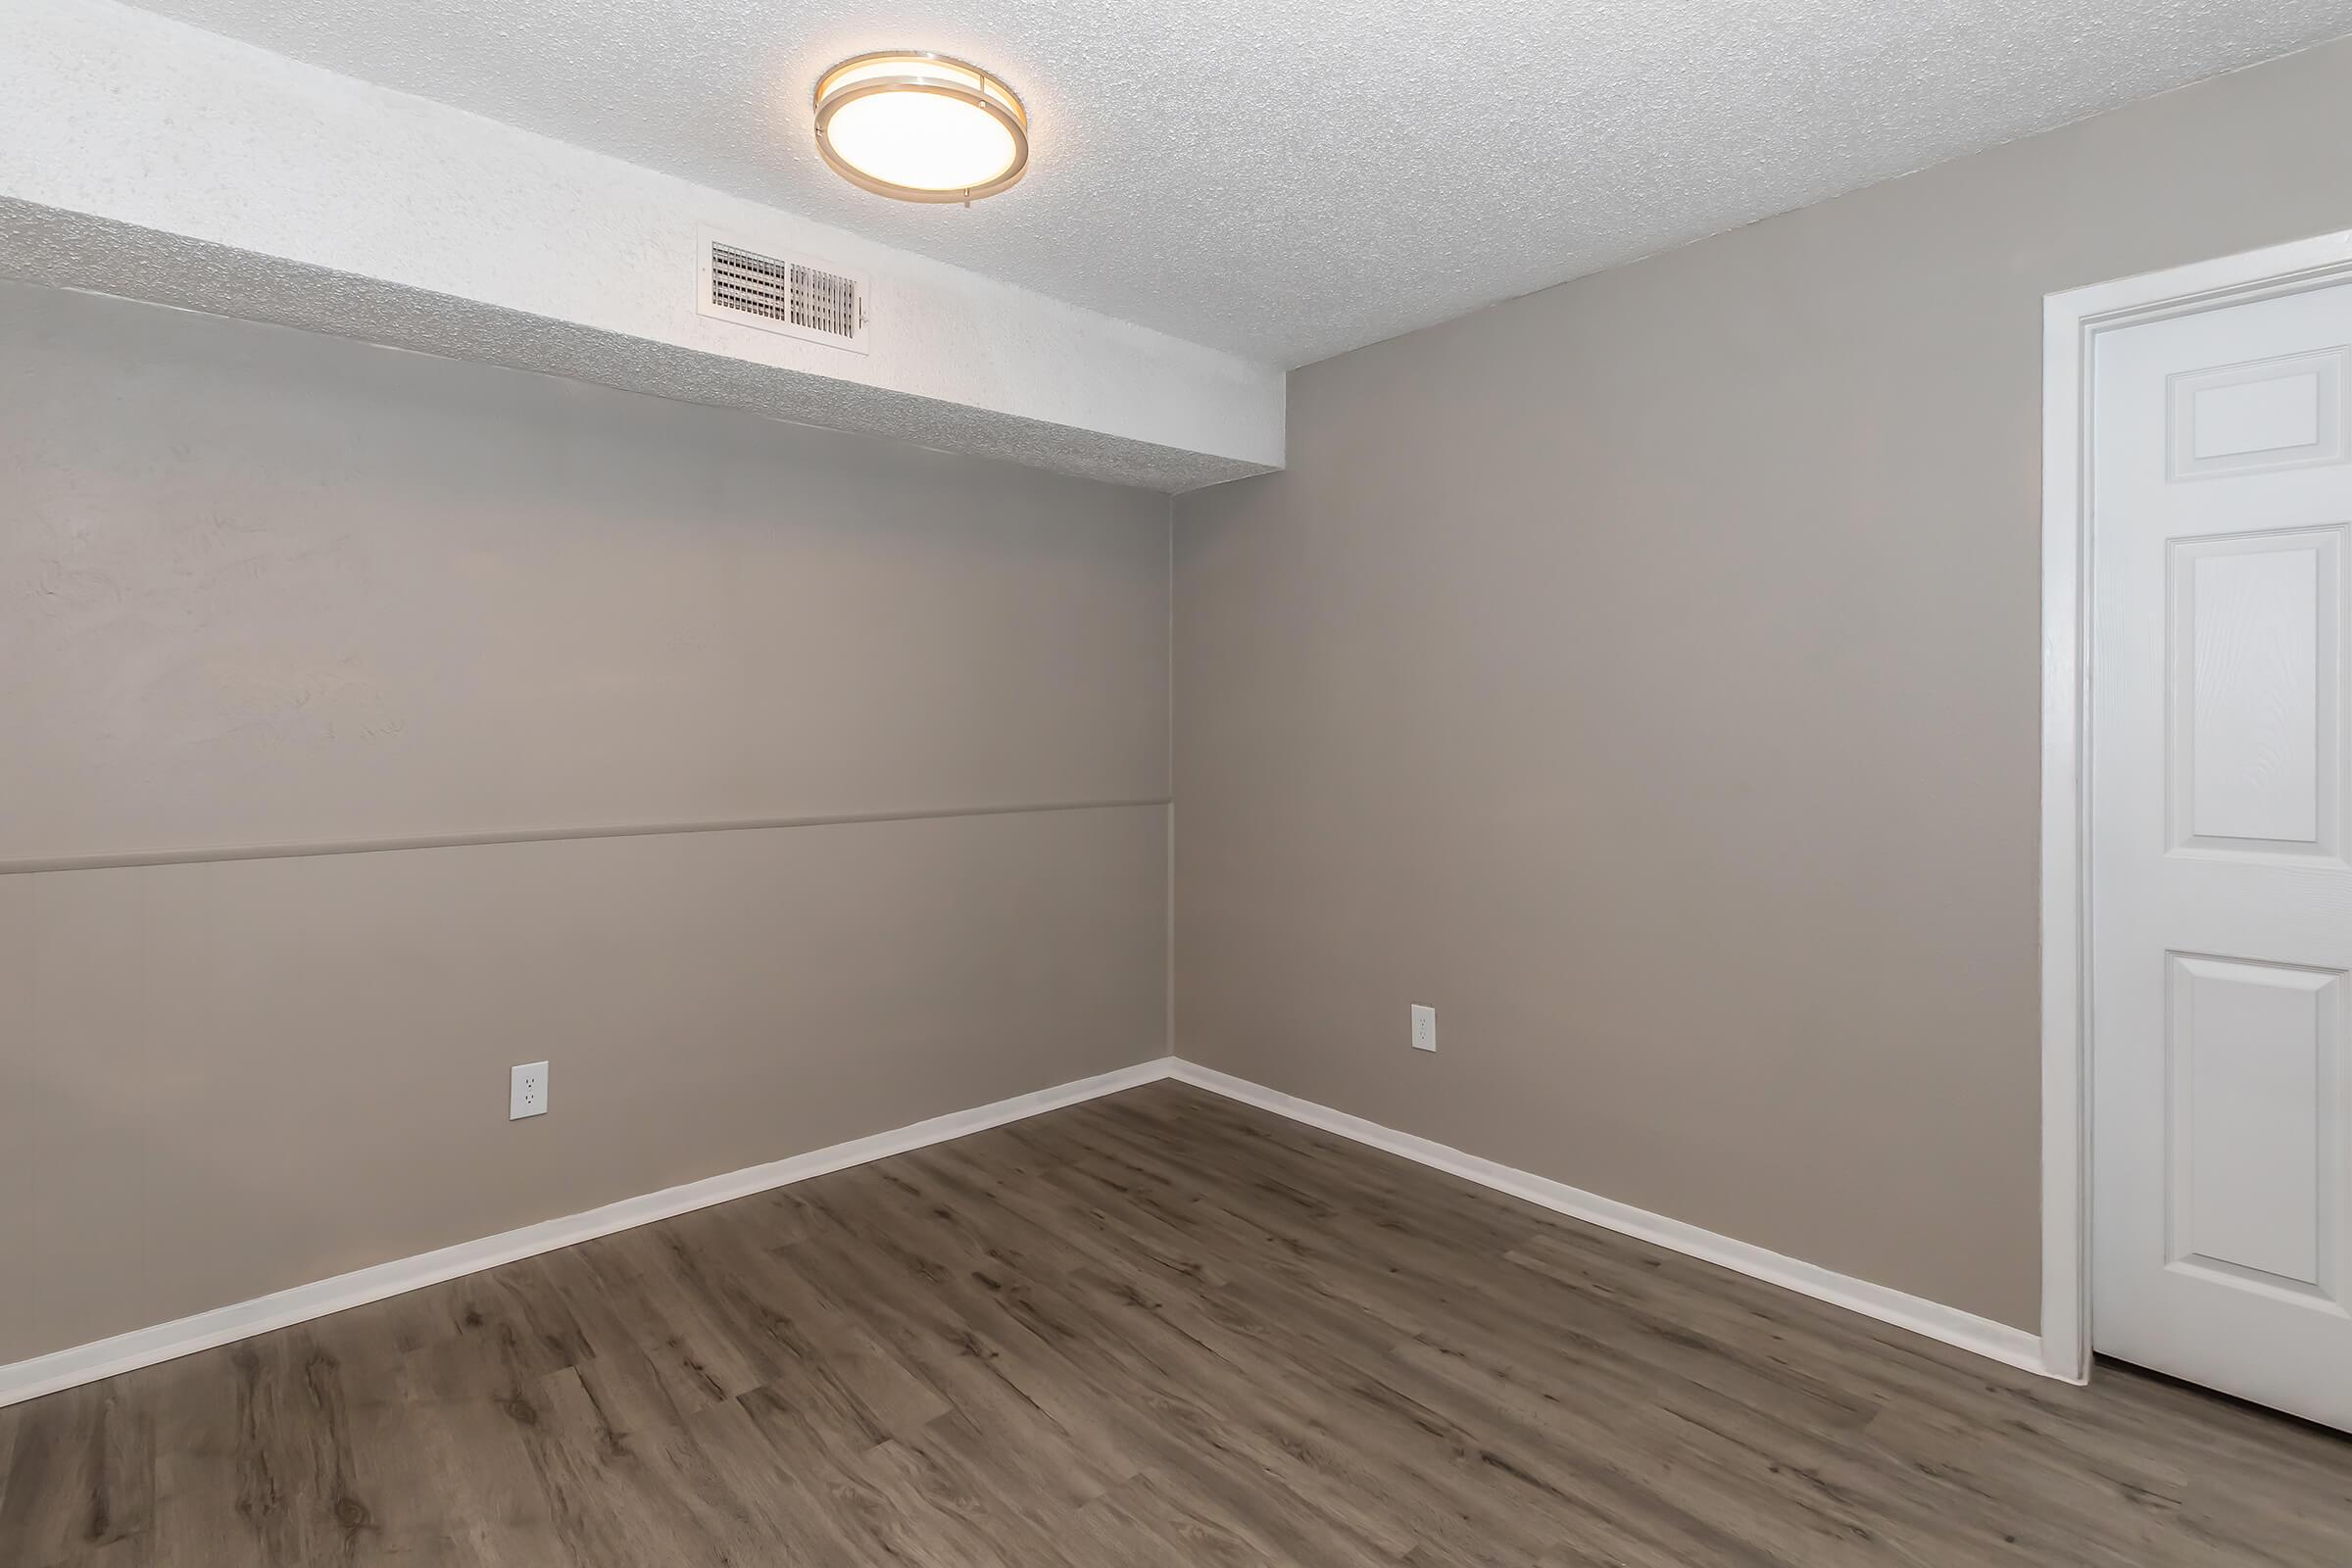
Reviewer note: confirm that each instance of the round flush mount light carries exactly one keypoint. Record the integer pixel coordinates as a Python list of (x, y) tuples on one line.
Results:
[(922, 127)]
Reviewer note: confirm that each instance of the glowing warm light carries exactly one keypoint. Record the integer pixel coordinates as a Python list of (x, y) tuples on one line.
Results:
[(922, 127)]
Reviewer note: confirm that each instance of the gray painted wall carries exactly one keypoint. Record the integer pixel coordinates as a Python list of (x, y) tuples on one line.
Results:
[(1644, 672), (259, 587)]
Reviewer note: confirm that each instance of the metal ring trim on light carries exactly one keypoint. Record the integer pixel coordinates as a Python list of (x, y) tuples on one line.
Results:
[(981, 90)]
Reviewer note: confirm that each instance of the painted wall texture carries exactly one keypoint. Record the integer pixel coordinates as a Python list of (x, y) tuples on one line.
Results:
[(259, 587), (1644, 673)]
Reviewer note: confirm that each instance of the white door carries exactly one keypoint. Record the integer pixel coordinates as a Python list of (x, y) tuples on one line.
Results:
[(2221, 902)]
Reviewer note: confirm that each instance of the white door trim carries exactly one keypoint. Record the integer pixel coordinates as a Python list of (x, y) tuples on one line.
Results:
[(2071, 324)]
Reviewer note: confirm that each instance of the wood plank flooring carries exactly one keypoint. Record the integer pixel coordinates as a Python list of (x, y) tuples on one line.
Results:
[(1158, 1330)]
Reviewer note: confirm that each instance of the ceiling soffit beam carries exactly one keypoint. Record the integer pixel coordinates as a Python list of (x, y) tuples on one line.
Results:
[(144, 158)]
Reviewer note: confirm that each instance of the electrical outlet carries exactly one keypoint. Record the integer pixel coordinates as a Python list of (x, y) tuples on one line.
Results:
[(1425, 1028), (526, 1091)]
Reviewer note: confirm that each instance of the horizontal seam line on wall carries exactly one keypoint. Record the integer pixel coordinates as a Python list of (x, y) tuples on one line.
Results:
[(458, 840)]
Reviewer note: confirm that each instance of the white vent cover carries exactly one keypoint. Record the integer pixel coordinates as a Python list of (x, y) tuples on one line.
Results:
[(791, 295)]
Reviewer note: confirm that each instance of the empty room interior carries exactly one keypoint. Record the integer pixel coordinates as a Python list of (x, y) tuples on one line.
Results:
[(1040, 785)]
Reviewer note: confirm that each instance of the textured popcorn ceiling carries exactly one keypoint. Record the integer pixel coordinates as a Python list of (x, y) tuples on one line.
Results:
[(1288, 178)]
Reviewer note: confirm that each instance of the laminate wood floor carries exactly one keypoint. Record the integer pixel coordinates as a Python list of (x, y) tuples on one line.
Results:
[(1156, 1330)]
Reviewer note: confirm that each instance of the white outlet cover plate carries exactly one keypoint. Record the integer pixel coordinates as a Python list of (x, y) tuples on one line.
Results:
[(1425, 1028), (526, 1091)]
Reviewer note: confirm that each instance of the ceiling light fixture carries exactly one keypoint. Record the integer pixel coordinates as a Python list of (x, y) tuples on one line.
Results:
[(922, 127)]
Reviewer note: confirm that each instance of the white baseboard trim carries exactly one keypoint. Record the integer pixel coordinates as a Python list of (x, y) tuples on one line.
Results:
[(2000, 1341), (126, 1353), (166, 1342)]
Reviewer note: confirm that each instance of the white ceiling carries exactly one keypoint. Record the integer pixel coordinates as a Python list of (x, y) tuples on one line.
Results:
[(1288, 178)]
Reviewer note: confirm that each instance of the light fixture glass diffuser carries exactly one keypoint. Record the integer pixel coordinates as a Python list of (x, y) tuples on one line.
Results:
[(922, 127)]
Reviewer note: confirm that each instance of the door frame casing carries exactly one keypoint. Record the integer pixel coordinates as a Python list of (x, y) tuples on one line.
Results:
[(2072, 322)]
